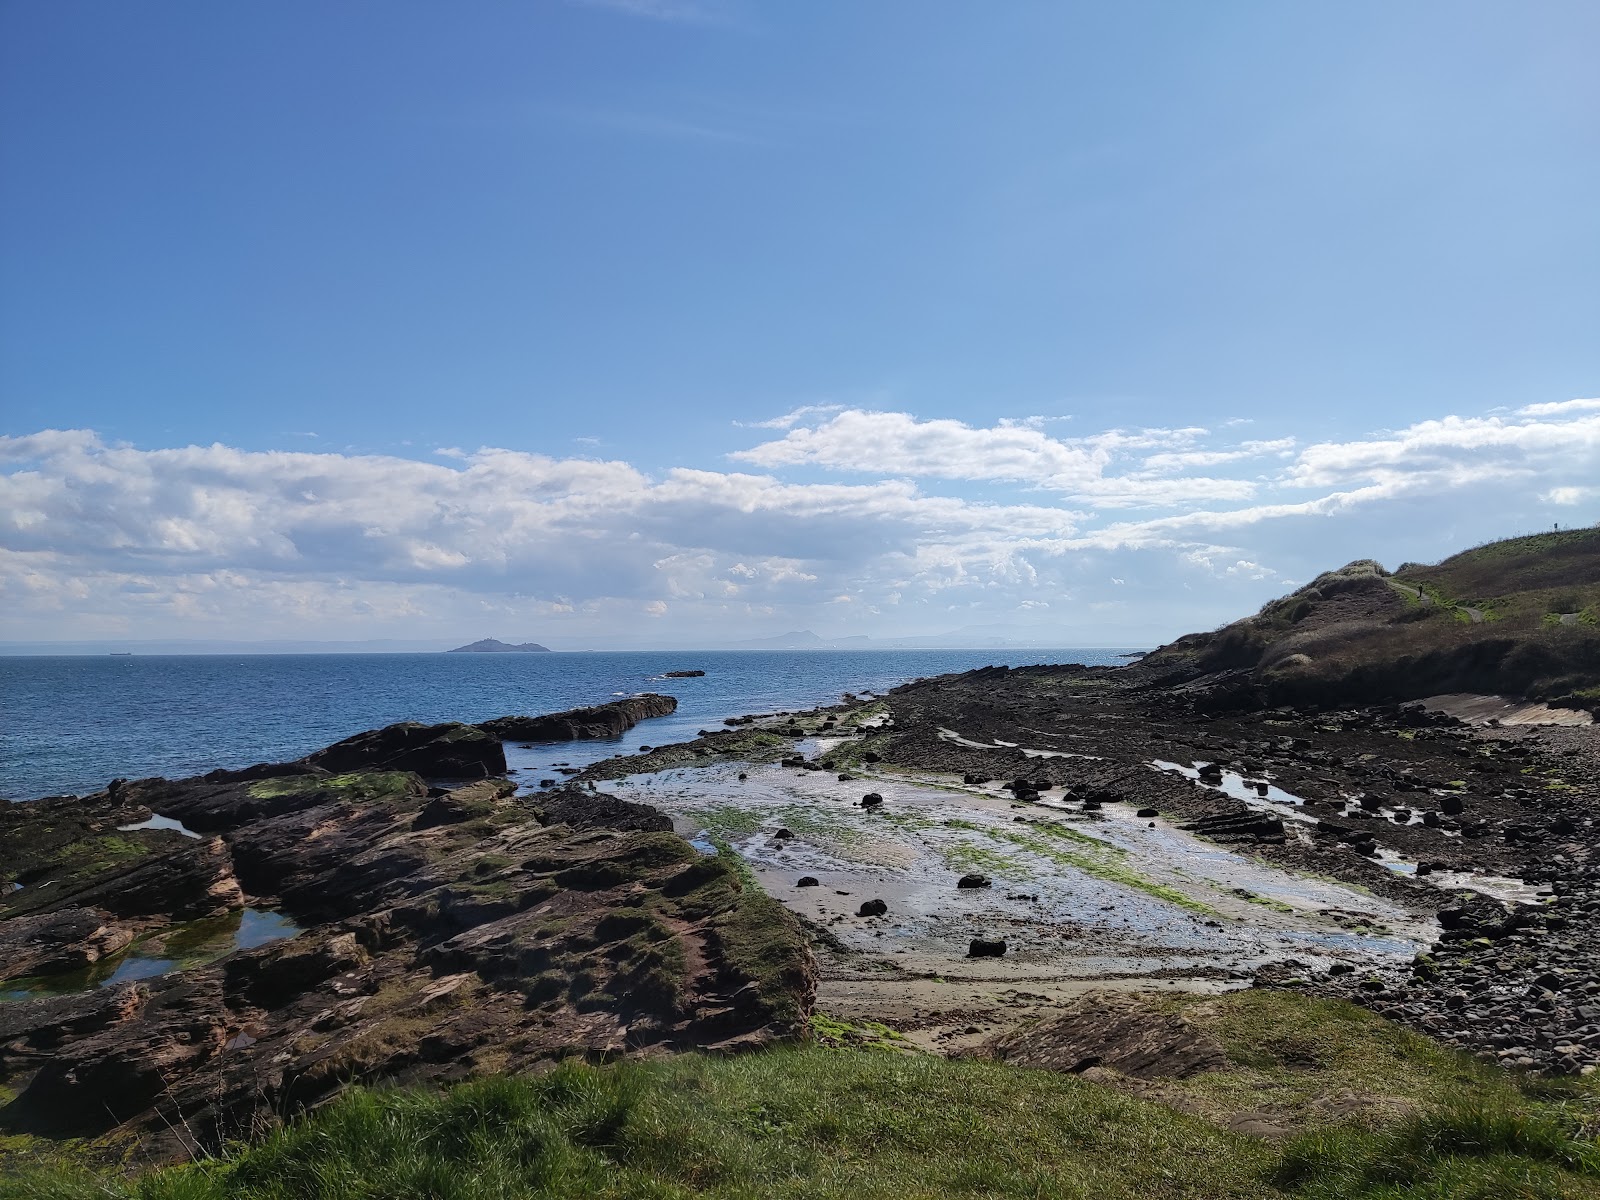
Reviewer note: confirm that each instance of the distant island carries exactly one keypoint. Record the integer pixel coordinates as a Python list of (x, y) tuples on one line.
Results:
[(495, 646)]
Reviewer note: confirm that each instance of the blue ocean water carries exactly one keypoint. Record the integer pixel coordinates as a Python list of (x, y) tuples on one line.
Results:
[(71, 724)]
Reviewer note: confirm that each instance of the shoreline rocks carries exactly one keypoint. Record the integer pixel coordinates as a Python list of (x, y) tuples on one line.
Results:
[(582, 724), (448, 931)]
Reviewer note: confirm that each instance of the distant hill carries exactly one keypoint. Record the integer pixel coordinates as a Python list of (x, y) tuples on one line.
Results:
[(494, 646), (799, 639), (1515, 617)]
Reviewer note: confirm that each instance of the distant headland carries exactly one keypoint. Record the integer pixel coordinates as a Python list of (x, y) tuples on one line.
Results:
[(495, 646)]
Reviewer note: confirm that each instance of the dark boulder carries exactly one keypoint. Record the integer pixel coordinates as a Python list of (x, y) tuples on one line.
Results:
[(449, 751), (973, 881), (583, 724), (986, 948), (583, 809), (872, 908)]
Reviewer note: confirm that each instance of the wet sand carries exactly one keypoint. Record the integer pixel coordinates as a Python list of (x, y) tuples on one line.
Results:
[(1082, 901)]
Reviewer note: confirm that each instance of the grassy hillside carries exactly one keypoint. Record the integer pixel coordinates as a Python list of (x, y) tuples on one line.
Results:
[(1519, 616), (1409, 1121)]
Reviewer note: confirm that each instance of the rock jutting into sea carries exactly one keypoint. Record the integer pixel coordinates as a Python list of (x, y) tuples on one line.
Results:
[(583, 724), (447, 929)]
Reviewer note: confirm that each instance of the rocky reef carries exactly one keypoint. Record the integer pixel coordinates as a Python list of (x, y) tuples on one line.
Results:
[(447, 927), (583, 724)]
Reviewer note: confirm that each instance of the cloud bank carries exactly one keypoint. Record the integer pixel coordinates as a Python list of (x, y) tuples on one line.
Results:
[(851, 520)]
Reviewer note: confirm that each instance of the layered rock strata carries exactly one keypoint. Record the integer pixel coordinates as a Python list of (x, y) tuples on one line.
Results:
[(450, 929)]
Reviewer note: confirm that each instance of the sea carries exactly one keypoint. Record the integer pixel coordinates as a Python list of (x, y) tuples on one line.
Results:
[(70, 724)]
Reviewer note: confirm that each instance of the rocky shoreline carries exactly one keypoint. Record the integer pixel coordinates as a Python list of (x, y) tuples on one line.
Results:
[(446, 925), (1489, 828)]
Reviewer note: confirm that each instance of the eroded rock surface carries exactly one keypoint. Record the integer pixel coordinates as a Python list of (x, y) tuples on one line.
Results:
[(449, 931), (1123, 1034)]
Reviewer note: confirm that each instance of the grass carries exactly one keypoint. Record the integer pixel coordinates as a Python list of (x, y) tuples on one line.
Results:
[(1350, 637), (812, 1122), (846, 1119), (1290, 1053), (1467, 1152)]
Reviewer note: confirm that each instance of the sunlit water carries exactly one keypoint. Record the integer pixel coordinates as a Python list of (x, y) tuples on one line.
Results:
[(70, 724)]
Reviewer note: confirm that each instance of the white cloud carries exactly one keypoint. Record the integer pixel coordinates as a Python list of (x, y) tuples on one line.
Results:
[(1570, 495), (1558, 408), (793, 417), (925, 517), (1011, 451)]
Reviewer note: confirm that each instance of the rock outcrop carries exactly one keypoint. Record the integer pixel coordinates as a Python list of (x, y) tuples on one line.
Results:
[(447, 932), (1128, 1035), (451, 751), (583, 724)]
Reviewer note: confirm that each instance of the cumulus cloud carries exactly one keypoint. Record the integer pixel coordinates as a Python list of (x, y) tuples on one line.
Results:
[(101, 537), (1011, 451)]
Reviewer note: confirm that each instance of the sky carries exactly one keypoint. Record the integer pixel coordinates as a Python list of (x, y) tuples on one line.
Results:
[(628, 322)]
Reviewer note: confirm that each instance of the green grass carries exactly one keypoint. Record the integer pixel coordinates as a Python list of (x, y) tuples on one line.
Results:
[(813, 1123), (852, 1122), (1466, 1152), (1291, 1052), (846, 1119)]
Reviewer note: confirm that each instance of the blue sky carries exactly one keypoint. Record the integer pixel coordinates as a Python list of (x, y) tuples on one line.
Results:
[(1062, 293)]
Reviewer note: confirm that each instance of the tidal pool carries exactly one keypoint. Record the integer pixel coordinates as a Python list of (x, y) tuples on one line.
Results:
[(1076, 895), (174, 949)]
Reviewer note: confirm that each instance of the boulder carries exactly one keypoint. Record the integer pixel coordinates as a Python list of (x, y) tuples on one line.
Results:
[(449, 751)]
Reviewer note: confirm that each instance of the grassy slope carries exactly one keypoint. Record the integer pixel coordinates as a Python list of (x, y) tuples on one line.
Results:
[(1561, 567), (1359, 634), (822, 1123)]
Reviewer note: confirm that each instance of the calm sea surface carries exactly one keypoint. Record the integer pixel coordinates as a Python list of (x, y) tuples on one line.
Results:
[(71, 724)]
